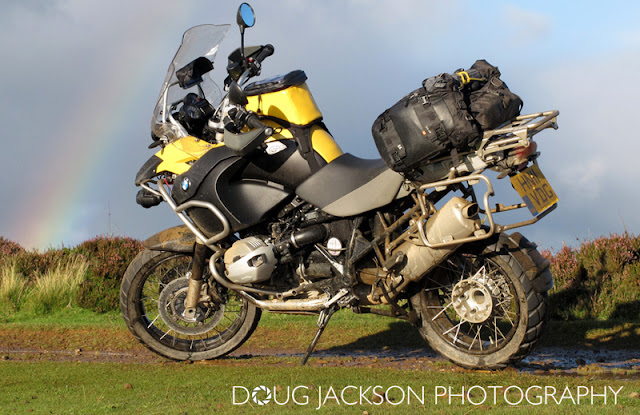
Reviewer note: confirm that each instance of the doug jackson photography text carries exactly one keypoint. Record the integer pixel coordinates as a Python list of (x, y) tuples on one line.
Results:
[(474, 395)]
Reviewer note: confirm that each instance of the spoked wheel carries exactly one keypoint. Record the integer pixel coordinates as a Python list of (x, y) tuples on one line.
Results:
[(479, 309), (152, 299)]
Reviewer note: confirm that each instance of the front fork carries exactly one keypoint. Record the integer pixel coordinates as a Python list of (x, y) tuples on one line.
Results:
[(195, 281)]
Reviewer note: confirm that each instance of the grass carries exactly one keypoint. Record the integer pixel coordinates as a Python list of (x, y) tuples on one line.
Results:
[(41, 294), (57, 287), (170, 388), (12, 286)]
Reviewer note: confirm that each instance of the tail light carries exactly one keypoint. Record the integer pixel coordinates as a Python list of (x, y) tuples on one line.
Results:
[(523, 153)]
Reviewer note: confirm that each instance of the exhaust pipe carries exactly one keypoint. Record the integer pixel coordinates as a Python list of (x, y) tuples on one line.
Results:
[(296, 305), (457, 219)]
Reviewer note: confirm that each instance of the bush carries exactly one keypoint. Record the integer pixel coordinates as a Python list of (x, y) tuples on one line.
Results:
[(52, 278), (598, 280), (108, 259), (34, 263), (9, 248)]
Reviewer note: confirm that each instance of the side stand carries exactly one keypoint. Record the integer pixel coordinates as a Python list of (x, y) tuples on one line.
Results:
[(323, 320)]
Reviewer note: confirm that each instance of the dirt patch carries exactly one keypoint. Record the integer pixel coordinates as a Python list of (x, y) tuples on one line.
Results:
[(118, 346)]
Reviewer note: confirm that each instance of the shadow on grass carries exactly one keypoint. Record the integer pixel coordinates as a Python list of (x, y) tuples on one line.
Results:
[(592, 334), (611, 334), (620, 331), (400, 336)]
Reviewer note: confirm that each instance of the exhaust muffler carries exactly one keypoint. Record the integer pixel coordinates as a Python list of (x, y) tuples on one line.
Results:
[(457, 219)]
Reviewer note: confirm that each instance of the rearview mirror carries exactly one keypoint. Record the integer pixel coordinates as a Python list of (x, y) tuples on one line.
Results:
[(246, 17)]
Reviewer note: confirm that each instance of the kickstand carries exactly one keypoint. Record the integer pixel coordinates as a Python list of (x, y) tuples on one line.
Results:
[(323, 320)]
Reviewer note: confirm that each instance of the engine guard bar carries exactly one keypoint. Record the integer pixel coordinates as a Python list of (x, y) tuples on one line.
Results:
[(180, 211), (481, 233)]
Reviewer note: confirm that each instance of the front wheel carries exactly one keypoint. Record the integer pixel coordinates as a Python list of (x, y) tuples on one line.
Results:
[(152, 297), (478, 308)]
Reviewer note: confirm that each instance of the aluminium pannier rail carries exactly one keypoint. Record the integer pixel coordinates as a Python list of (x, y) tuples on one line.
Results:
[(517, 133)]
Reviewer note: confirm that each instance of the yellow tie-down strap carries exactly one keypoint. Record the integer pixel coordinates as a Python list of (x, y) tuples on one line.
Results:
[(465, 78)]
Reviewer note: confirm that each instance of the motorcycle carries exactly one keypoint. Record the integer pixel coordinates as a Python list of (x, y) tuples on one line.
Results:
[(276, 218)]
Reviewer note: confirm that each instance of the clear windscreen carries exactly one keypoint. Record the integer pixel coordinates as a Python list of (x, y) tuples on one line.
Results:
[(199, 41)]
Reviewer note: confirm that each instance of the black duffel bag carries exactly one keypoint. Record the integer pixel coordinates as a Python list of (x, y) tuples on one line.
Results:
[(491, 103), (425, 124)]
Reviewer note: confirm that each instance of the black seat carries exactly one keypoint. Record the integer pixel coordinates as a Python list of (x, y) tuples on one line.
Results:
[(350, 185)]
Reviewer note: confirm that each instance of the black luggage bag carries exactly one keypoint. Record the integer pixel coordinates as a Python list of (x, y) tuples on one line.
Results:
[(448, 112)]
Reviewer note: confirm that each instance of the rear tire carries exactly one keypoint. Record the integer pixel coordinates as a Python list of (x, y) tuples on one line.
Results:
[(152, 300), (479, 309)]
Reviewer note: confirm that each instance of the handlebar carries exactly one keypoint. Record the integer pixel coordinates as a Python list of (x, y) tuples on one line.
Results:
[(267, 50), (253, 122)]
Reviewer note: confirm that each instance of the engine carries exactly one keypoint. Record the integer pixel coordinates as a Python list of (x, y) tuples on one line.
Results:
[(250, 260), (254, 259)]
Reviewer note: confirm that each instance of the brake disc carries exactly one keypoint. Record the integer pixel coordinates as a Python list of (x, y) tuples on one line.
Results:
[(171, 308)]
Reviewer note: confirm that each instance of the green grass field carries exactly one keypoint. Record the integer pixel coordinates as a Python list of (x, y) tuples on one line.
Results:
[(161, 387), (203, 388)]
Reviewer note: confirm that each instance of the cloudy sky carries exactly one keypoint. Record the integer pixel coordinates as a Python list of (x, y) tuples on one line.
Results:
[(80, 78)]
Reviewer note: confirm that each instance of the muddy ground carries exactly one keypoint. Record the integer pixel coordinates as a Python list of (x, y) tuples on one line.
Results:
[(118, 346)]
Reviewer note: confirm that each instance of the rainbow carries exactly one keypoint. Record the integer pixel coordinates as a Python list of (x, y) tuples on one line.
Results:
[(100, 116)]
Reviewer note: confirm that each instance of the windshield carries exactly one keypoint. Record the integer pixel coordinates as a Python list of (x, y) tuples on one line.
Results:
[(199, 41)]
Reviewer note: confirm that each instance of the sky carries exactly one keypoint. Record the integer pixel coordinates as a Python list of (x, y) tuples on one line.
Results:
[(80, 79)]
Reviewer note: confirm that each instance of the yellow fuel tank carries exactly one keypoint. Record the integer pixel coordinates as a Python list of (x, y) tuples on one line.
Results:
[(295, 104), (286, 99)]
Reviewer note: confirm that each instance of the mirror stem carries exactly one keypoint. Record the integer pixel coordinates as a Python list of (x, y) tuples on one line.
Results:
[(242, 44)]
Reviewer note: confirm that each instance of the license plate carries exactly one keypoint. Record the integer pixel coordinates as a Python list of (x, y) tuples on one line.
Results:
[(534, 189)]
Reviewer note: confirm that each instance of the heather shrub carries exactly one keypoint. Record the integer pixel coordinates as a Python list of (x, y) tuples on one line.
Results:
[(34, 263), (9, 248), (88, 275), (108, 259), (598, 280)]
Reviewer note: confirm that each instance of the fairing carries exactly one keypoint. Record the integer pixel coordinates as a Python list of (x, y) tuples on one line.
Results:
[(199, 41)]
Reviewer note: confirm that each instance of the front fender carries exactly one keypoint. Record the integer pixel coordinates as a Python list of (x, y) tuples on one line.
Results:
[(176, 239)]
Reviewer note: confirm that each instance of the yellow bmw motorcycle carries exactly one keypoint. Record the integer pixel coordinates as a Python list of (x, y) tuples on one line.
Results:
[(277, 218)]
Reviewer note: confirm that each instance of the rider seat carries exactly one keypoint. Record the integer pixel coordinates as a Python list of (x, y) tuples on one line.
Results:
[(350, 185)]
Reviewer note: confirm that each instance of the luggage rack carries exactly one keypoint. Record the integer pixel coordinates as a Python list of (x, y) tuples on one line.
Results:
[(517, 133)]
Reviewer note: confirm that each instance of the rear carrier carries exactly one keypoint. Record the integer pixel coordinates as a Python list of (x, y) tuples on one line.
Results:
[(449, 112)]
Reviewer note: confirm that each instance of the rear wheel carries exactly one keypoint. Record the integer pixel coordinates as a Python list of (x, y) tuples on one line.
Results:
[(479, 309), (152, 297)]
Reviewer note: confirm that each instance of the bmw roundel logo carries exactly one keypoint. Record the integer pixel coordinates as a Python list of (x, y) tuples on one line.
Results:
[(186, 183)]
